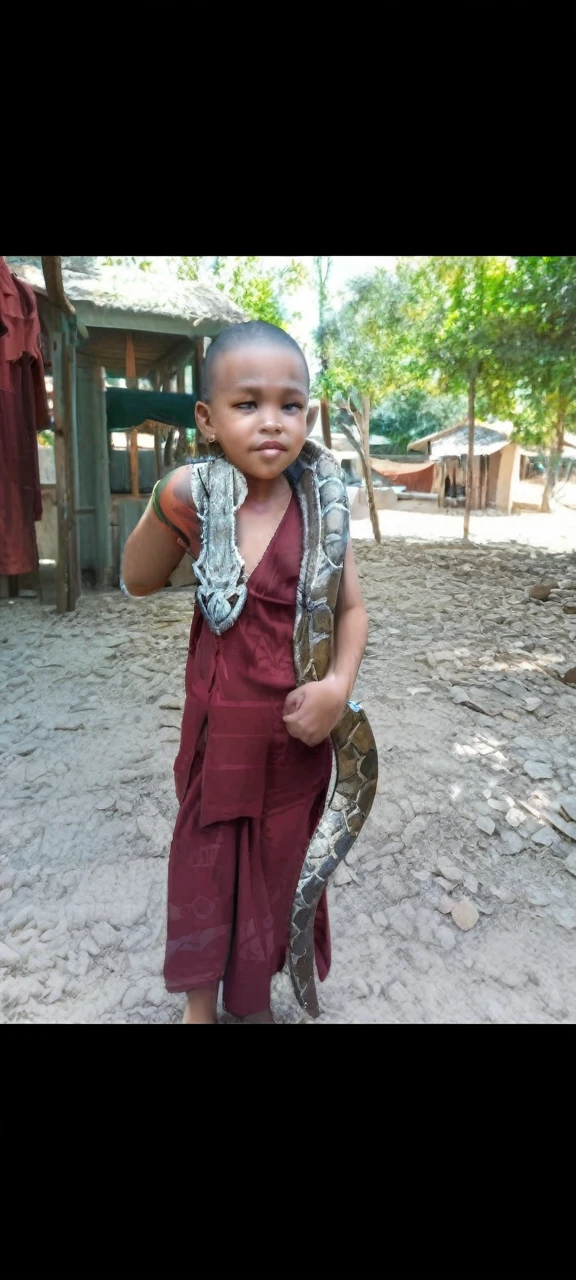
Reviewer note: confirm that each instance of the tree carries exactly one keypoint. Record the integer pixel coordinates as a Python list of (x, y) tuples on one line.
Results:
[(539, 345), (458, 310), (259, 291), (361, 348), (321, 274), (406, 414)]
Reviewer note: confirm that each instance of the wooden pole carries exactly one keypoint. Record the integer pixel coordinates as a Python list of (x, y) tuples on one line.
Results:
[(63, 368), (158, 451), (133, 446), (198, 367), (131, 379)]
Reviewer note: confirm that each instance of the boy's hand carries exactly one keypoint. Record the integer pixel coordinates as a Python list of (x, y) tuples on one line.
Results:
[(311, 712)]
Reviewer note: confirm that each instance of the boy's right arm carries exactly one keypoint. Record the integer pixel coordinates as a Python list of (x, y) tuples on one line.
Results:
[(168, 528)]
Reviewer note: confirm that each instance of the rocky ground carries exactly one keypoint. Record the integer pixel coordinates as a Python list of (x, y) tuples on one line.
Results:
[(458, 903)]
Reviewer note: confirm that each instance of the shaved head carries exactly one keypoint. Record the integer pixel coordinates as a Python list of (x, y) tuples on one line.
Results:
[(254, 333)]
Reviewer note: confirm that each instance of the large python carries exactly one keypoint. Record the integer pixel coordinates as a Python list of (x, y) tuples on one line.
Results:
[(218, 490)]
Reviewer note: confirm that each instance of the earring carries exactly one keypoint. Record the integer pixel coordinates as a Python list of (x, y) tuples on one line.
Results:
[(211, 439)]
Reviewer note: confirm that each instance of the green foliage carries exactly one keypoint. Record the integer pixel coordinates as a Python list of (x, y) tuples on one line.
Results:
[(259, 291), (366, 344), (539, 347), (145, 264), (407, 415), (457, 314)]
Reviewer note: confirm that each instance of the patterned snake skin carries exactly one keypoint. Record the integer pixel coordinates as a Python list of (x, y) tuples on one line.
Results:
[(218, 489)]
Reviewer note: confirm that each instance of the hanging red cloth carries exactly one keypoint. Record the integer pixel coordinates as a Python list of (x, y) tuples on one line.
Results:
[(23, 413)]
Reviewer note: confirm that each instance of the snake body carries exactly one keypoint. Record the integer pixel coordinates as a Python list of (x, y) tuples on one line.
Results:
[(218, 489)]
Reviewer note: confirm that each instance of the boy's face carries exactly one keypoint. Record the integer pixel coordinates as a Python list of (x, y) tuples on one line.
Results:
[(257, 410)]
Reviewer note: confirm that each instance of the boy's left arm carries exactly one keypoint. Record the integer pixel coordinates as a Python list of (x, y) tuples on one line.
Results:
[(312, 711)]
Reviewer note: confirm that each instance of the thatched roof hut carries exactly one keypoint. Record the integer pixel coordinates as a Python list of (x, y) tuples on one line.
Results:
[(101, 322), (164, 314), (453, 441)]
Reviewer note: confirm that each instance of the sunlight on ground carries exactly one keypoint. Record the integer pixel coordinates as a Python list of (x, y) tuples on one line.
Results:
[(556, 532)]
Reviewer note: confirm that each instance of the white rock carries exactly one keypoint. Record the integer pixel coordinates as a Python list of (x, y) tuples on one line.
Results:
[(512, 842), (486, 824), (538, 770), (445, 904), (501, 806), (449, 871), (169, 703), (465, 914), (470, 883), (515, 817), (504, 894), (395, 888), (8, 957), (544, 837), (107, 803), (341, 875), (570, 863), (568, 807)]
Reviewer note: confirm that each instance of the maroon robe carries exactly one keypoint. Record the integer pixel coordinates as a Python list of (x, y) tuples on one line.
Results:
[(23, 413), (250, 795)]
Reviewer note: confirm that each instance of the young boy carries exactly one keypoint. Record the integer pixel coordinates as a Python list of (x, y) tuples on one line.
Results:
[(255, 756)]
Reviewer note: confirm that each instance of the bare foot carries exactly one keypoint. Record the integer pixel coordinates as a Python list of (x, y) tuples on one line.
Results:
[(201, 1005), (264, 1016)]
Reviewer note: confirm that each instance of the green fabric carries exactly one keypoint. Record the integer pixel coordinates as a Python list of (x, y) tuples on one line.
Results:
[(126, 409)]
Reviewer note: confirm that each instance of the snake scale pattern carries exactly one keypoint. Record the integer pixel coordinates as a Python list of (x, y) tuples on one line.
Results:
[(218, 489)]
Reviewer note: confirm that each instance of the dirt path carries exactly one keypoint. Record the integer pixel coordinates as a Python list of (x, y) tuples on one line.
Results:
[(462, 684)]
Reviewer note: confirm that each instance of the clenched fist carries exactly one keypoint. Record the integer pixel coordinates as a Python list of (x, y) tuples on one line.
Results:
[(311, 712)]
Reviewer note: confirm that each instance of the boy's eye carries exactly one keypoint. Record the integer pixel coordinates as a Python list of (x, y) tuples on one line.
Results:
[(297, 407), (246, 404)]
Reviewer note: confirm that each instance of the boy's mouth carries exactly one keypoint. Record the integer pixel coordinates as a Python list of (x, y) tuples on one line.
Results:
[(271, 446)]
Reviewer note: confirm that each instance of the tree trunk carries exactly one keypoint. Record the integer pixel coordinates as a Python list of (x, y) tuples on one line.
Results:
[(362, 448), (325, 421), (365, 428), (470, 462), (554, 461)]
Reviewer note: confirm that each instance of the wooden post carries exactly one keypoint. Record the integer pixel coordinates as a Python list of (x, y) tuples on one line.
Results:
[(198, 367), (484, 464), (442, 489), (158, 451), (181, 382), (64, 372), (133, 446), (131, 379)]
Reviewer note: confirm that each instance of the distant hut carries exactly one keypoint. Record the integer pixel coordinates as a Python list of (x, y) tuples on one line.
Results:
[(101, 323), (496, 464)]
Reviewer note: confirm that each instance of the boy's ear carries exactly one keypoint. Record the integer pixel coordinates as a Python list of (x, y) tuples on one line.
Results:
[(311, 416), (202, 416)]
